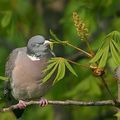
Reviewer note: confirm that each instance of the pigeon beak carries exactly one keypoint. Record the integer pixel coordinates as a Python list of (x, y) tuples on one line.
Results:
[(47, 42)]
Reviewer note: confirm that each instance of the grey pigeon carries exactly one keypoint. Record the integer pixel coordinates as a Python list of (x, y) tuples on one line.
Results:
[(25, 71)]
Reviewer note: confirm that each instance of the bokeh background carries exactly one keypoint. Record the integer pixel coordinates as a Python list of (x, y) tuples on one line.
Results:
[(21, 19)]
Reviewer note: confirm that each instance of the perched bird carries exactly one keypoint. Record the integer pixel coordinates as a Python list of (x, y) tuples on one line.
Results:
[(24, 69)]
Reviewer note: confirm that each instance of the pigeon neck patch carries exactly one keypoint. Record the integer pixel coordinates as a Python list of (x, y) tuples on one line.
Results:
[(33, 58)]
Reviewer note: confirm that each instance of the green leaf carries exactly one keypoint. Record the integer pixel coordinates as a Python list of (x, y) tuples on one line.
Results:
[(3, 78), (49, 67), (53, 60), (57, 65), (117, 114), (116, 36), (97, 56), (106, 42), (82, 86), (70, 68), (50, 73), (54, 36), (6, 19), (116, 45), (103, 59), (94, 87), (89, 85), (61, 71), (115, 55)]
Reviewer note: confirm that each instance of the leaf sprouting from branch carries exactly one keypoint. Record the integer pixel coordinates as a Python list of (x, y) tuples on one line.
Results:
[(110, 45), (57, 66)]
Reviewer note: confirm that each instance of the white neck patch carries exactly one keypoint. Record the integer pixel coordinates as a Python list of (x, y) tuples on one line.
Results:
[(33, 58)]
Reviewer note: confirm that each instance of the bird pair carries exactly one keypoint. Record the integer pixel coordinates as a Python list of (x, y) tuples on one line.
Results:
[(24, 70)]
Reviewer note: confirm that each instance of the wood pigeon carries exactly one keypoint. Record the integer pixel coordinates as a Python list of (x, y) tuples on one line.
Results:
[(24, 69)]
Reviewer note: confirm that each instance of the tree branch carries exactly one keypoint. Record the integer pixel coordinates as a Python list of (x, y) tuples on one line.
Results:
[(67, 102)]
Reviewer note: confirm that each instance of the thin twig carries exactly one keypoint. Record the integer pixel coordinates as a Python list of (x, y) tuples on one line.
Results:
[(66, 102), (73, 62), (88, 46), (79, 49), (107, 88)]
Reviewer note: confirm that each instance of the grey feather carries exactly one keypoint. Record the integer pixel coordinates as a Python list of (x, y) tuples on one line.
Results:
[(117, 72), (11, 61), (25, 82)]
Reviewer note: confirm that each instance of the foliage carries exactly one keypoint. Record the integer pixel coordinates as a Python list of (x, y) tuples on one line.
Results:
[(3, 78), (21, 19), (6, 19), (58, 65), (112, 43), (117, 114)]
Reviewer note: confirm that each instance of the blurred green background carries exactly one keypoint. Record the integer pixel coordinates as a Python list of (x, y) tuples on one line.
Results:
[(21, 19)]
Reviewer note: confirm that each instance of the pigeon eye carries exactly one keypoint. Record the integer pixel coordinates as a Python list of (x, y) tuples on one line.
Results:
[(37, 45), (33, 45)]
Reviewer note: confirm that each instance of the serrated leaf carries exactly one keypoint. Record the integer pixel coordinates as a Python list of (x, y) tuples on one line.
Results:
[(114, 53), (103, 59), (3, 78), (61, 71), (70, 68), (6, 19), (50, 73), (54, 36), (97, 56)]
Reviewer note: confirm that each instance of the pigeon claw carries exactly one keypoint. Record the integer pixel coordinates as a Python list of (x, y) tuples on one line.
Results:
[(21, 104), (43, 102)]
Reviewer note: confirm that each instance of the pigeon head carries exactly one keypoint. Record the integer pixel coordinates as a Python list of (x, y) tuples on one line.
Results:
[(37, 46)]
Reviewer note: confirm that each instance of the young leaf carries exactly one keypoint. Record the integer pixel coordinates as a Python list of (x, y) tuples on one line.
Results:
[(117, 114), (54, 36), (3, 78), (49, 67), (70, 68), (97, 56), (116, 45), (53, 60), (103, 59), (50, 73), (116, 36), (114, 53), (61, 71), (6, 19), (82, 86), (88, 85), (57, 65)]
